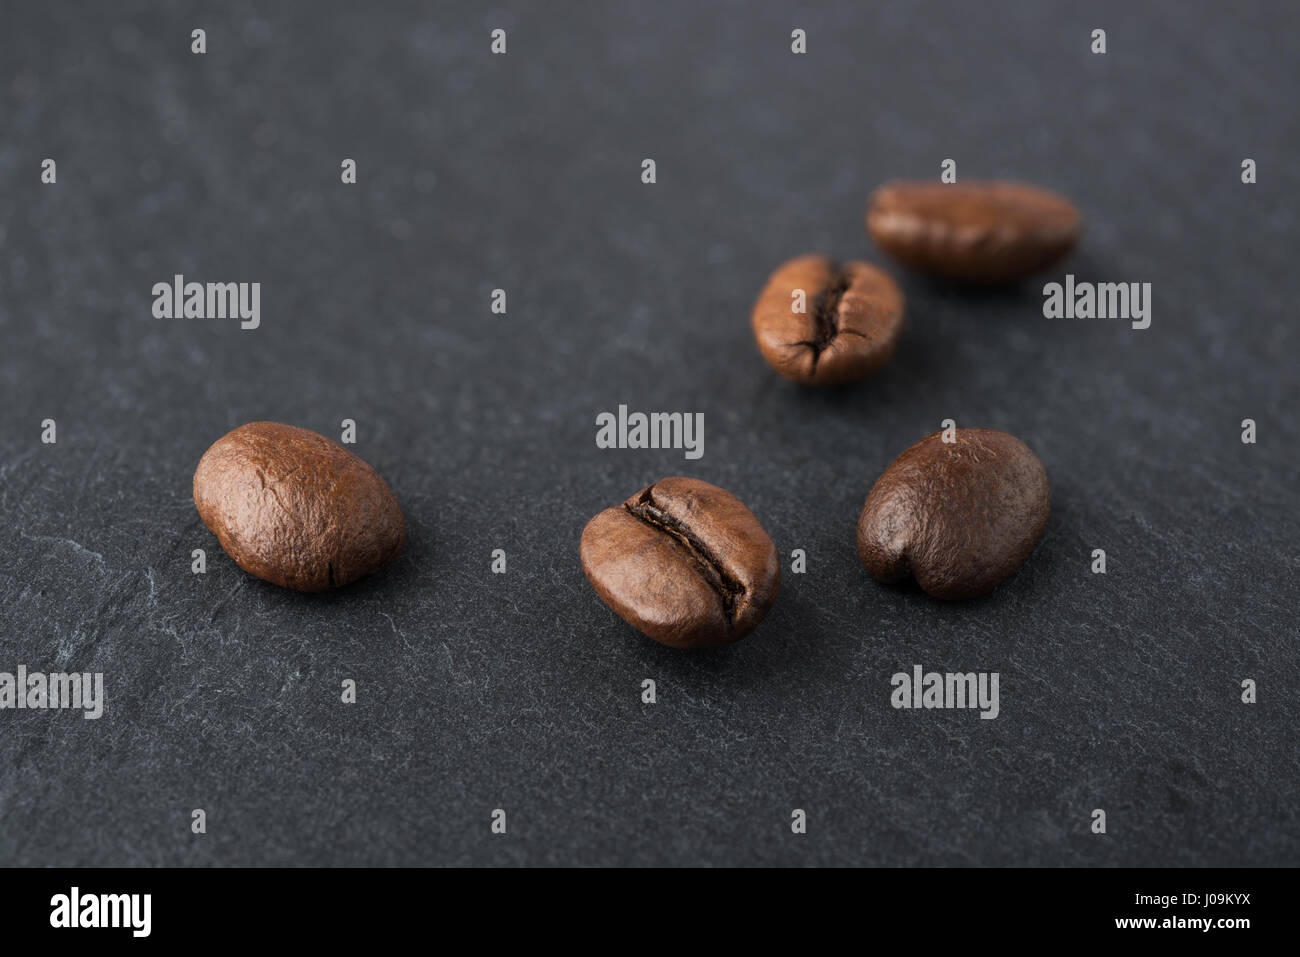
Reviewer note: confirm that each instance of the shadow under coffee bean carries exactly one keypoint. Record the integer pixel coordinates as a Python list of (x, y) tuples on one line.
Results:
[(684, 562)]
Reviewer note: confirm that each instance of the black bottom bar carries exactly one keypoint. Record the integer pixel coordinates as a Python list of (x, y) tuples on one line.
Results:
[(338, 906)]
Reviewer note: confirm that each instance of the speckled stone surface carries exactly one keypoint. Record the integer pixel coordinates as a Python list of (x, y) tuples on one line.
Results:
[(522, 691)]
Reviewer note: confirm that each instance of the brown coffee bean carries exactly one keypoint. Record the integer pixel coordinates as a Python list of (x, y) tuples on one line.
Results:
[(295, 508), (843, 327), (683, 561), (973, 232), (959, 517)]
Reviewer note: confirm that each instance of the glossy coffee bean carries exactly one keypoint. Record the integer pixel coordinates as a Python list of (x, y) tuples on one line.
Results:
[(295, 508), (821, 323), (959, 518), (991, 232), (683, 561)]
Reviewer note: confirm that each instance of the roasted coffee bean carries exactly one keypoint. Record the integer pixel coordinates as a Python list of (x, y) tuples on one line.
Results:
[(819, 323), (293, 507), (973, 232), (959, 517), (685, 562)]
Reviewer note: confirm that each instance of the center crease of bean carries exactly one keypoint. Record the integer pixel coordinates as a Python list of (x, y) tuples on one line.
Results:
[(826, 312), (727, 588)]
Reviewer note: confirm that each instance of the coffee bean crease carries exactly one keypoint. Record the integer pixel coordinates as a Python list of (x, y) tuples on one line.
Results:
[(850, 328), (715, 574), (826, 310)]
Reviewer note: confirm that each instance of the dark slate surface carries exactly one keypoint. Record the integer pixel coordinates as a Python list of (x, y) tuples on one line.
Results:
[(522, 691)]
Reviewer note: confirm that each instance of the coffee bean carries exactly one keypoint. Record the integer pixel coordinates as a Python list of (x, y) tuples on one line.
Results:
[(292, 507), (683, 561), (959, 517), (845, 328), (973, 232)]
